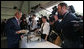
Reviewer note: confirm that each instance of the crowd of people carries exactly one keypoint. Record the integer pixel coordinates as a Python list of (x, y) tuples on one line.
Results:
[(3, 22), (52, 30)]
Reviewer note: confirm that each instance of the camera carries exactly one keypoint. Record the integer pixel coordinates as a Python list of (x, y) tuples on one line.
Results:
[(54, 10), (51, 16)]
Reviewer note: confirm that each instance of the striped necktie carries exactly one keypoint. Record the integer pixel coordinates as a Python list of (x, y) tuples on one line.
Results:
[(18, 22)]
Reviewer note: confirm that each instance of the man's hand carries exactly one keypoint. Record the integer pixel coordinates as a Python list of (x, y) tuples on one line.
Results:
[(18, 32), (22, 31), (21, 36), (56, 18), (36, 30)]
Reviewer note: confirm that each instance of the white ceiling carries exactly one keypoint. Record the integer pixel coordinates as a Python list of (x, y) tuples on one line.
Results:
[(7, 10)]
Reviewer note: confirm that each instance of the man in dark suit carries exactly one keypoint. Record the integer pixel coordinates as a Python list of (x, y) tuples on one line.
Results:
[(70, 38), (11, 29)]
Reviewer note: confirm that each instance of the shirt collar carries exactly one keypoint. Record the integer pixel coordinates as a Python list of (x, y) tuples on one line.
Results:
[(16, 18)]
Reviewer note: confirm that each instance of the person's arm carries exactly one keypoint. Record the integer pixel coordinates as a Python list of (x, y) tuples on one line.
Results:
[(46, 37), (58, 25)]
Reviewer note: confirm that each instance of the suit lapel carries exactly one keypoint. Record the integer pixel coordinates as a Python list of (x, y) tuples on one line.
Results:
[(15, 22)]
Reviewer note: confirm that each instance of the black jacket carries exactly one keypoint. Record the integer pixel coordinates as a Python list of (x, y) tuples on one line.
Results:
[(67, 26), (10, 29)]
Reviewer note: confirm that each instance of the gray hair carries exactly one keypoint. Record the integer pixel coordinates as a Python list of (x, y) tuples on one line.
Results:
[(19, 12)]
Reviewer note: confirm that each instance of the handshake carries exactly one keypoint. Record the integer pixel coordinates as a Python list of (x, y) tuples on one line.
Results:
[(22, 31)]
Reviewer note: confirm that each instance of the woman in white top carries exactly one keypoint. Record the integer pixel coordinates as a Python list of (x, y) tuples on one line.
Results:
[(45, 27)]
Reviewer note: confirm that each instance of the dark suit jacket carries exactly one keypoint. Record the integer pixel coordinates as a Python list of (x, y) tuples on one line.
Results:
[(67, 26), (10, 29)]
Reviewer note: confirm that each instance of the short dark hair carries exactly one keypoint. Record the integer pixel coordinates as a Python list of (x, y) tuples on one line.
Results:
[(44, 17), (51, 19), (63, 4), (34, 15)]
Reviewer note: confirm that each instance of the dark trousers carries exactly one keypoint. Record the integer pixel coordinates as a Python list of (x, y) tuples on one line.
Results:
[(13, 45), (43, 36), (71, 44)]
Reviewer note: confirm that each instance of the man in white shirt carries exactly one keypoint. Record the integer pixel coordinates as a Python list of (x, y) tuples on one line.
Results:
[(45, 27), (34, 22)]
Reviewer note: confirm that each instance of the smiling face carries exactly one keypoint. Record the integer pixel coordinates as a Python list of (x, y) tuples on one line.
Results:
[(43, 20), (18, 15)]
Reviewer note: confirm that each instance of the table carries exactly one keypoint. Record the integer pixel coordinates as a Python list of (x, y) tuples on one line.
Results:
[(37, 44)]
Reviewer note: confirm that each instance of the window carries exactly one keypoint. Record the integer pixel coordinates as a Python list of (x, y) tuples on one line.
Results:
[(78, 6)]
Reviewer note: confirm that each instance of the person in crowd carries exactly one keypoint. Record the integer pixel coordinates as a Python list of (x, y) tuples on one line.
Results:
[(39, 23), (3, 23), (12, 30), (23, 23), (54, 34), (33, 24), (70, 38), (45, 27)]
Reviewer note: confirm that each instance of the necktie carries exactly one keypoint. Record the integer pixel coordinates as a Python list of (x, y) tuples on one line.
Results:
[(42, 28), (18, 22)]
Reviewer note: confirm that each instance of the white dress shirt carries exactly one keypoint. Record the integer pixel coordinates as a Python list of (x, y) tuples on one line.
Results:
[(34, 25), (46, 28)]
